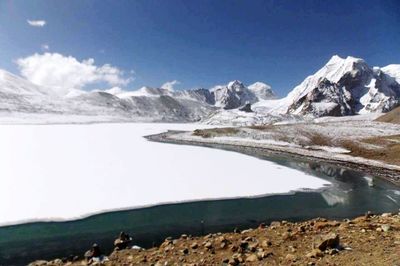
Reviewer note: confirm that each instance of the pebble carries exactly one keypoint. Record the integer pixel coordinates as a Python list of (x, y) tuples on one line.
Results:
[(385, 227)]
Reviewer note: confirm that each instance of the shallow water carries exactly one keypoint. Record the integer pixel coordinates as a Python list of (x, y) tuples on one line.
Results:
[(350, 194)]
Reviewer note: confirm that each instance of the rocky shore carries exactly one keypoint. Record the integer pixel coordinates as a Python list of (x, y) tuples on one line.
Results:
[(366, 240)]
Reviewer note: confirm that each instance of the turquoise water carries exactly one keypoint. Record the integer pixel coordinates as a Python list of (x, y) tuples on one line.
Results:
[(351, 194)]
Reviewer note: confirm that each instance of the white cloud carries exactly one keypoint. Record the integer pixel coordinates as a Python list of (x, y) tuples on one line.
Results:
[(66, 72), (169, 85), (36, 23), (45, 47)]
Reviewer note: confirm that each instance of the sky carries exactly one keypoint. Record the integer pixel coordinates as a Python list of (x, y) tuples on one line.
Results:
[(190, 44)]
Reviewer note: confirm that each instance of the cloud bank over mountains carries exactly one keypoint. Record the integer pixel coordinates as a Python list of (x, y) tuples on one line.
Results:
[(66, 72)]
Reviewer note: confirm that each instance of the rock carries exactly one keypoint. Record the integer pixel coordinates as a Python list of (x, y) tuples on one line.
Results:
[(247, 231), (368, 214), (208, 245), (252, 247), (328, 241), (290, 257), (275, 224), (184, 236), (333, 251), (385, 227), (252, 258), (244, 244), (301, 229), (248, 239), (315, 253), (266, 243), (386, 214), (234, 248), (233, 262), (223, 245), (185, 251), (246, 108), (38, 263), (194, 245)]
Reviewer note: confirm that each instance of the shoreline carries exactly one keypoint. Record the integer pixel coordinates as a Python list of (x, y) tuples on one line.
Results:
[(387, 173), (365, 240)]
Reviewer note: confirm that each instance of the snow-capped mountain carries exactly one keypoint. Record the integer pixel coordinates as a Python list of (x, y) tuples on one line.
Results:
[(345, 86), (19, 97), (262, 91), (233, 95), (393, 71)]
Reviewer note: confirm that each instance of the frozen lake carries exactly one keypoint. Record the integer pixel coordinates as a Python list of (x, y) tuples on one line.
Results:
[(53, 172)]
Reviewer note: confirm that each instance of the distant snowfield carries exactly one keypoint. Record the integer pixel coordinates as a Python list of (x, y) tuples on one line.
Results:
[(53, 172)]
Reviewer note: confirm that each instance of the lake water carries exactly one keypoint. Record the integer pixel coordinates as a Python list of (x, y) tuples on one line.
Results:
[(73, 178)]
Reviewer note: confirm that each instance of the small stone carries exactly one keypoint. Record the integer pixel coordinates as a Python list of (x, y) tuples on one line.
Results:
[(333, 251), (208, 245), (266, 243), (275, 224), (244, 244), (185, 251), (247, 231), (315, 253), (252, 258), (385, 227), (248, 239), (184, 236), (194, 245), (252, 247), (290, 257), (363, 231), (386, 214), (233, 262)]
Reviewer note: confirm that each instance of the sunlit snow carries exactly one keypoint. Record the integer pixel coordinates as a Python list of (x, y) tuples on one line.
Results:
[(66, 171)]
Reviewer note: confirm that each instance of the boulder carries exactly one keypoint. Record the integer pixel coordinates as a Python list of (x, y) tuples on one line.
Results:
[(328, 241)]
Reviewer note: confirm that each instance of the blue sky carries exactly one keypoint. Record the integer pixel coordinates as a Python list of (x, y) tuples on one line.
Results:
[(204, 43)]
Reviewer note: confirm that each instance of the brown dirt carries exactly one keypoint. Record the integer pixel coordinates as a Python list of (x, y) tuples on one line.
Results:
[(214, 132), (366, 240), (391, 117), (388, 152)]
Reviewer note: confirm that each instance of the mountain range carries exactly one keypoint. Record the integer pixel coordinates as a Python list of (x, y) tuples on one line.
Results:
[(344, 86)]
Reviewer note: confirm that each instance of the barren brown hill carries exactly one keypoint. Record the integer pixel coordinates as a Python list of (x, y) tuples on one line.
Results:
[(391, 117)]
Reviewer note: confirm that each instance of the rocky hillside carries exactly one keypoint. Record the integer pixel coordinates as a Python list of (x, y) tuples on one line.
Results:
[(366, 240), (346, 86)]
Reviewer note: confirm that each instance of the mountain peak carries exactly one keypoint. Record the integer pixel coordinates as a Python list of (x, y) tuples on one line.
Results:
[(235, 83), (262, 90)]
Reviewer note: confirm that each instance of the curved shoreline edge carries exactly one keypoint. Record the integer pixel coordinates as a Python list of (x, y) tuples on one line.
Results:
[(386, 173)]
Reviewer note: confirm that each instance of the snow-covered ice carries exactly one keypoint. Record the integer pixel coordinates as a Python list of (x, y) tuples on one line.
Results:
[(51, 172)]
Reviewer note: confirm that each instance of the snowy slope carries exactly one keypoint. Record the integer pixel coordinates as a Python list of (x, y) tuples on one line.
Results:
[(22, 99), (262, 91), (393, 71), (344, 86)]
